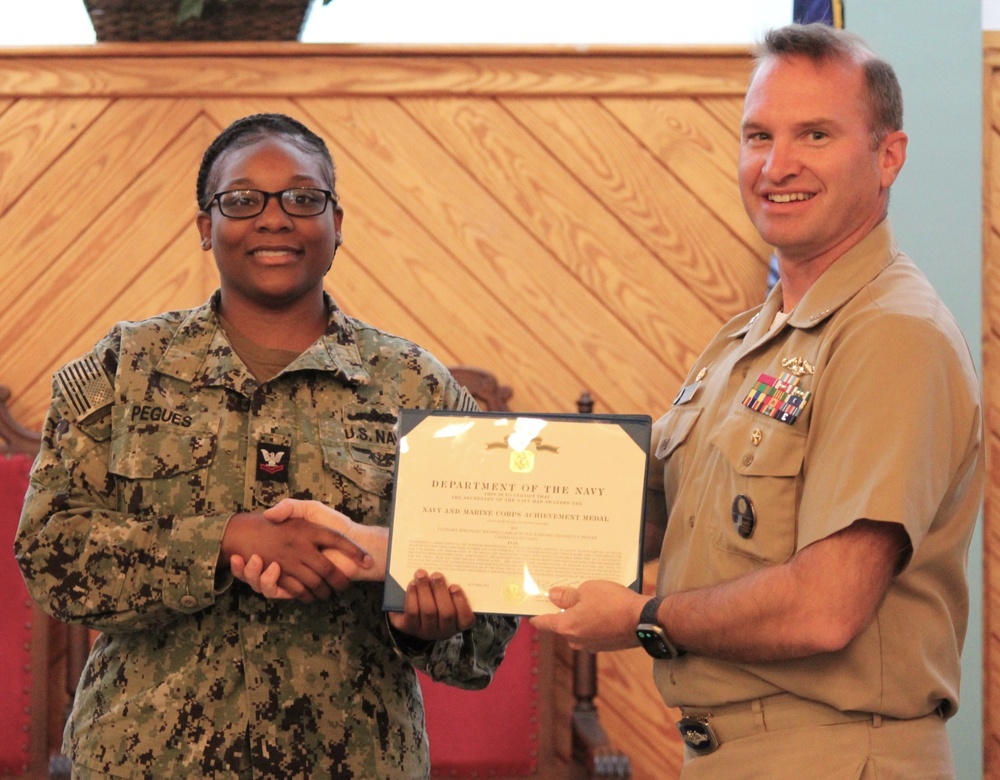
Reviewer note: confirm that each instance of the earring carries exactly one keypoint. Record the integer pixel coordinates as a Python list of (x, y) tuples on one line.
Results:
[(206, 243)]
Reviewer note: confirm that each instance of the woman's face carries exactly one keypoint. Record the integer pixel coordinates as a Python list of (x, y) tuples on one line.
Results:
[(272, 260)]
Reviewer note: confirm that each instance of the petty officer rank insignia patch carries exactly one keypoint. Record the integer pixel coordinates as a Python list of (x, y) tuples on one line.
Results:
[(780, 398), (272, 462)]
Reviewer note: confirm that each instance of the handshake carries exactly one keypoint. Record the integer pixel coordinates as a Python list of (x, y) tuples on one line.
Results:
[(305, 550)]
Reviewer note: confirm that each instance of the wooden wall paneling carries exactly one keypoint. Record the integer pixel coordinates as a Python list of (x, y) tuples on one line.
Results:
[(698, 149), (223, 110), (685, 236), (130, 224), (229, 69), (89, 174), (422, 276), (495, 246), (84, 181), (728, 111), (34, 133), (433, 298), (624, 279)]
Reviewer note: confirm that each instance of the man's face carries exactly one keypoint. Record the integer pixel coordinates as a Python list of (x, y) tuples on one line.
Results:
[(810, 180)]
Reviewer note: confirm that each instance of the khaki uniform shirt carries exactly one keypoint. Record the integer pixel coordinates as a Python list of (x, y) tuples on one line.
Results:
[(152, 442), (889, 429)]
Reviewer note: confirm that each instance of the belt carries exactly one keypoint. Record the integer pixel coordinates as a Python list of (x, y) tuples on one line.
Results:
[(703, 729)]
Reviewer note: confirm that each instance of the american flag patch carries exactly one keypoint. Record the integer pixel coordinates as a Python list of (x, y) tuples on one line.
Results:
[(466, 403), (780, 398), (85, 386)]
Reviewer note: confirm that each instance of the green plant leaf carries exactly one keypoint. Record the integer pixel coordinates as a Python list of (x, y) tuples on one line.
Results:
[(190, 9)]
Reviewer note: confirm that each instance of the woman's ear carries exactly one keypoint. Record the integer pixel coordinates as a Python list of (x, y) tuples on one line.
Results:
[(204, 224)]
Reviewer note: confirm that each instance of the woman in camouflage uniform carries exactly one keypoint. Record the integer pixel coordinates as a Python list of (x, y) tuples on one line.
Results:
[(162, 448)]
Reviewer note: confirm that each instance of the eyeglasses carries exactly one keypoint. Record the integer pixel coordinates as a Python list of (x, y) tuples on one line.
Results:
[(296, 202)]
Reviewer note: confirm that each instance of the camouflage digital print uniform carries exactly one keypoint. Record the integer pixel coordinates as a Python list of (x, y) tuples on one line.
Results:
[(194, 674)]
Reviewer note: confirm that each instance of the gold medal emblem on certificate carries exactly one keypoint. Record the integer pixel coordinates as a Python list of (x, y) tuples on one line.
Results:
[(522, 462), (512, 592)]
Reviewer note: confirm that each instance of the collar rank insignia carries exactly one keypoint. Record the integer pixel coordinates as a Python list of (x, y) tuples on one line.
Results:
[(272, 462), (780, 399)]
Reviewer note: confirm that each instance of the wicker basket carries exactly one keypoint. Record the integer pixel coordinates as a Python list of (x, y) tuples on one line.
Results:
[(222, 20)]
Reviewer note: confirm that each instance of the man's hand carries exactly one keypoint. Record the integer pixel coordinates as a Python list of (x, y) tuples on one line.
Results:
[(253, 573), (269, 577), (433, 609), (372, 539), (298, 547), (597, 616)]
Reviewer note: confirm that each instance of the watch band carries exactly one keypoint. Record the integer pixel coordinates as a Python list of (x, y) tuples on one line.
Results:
[(652, 635), (648, 614)]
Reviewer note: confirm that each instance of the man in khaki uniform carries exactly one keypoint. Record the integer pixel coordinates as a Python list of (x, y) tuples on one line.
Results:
[(821, 466)]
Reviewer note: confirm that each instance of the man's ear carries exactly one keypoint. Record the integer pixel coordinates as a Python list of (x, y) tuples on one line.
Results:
[(891, 156)]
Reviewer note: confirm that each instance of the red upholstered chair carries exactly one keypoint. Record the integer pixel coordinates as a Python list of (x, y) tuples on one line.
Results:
[(16, 631), (507, 730), (23, 628)]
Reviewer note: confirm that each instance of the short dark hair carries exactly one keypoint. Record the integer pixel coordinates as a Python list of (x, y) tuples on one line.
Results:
[(819, 42), (256, 127)]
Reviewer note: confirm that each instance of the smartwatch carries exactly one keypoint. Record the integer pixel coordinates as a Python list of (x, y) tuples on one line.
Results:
[(652, 637)]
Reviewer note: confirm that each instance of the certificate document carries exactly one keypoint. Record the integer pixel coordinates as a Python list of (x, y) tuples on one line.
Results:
[(509, 505)]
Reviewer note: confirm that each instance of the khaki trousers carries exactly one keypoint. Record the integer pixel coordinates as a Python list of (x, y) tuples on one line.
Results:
[(864, 749)]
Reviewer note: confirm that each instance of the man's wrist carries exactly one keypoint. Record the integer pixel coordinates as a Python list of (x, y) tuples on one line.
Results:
[(653, 635)]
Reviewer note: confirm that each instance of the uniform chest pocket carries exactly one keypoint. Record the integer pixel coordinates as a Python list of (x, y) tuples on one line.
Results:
[(358, 487), (672, 430), (161, 467), (339, 458), (669, 433), (158, 451), (763, 459)]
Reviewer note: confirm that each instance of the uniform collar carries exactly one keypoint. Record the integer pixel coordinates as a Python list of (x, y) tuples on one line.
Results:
[(836, 286), (199, 352)]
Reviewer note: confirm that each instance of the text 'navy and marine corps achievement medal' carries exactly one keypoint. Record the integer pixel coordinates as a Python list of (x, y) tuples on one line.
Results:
[(272, 462)]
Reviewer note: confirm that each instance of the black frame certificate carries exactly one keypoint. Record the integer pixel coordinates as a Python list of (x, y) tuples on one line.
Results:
[(509, 505)]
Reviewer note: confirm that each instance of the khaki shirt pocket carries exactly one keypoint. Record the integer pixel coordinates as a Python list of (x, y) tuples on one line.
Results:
[(669, 433), (672, 430), (763, 458)]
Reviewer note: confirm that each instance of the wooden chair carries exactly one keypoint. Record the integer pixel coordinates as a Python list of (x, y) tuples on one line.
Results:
[(499, 725)]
